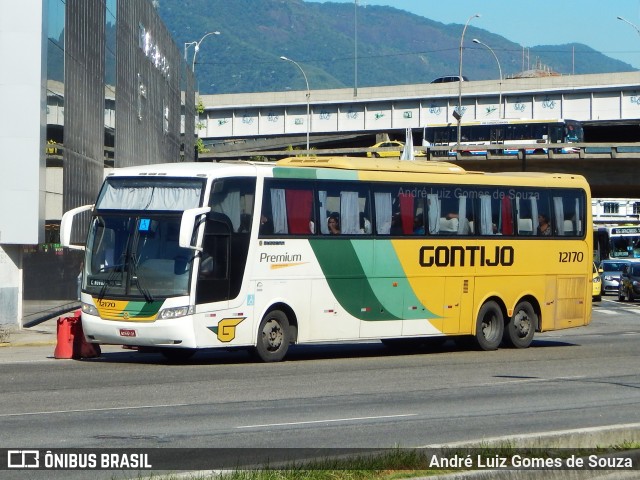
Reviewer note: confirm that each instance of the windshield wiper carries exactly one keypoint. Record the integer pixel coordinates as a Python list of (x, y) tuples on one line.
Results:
[(116, 269), (136, 279)]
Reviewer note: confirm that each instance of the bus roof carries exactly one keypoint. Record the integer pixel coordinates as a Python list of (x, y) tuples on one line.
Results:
[(372, 164), (187, 169)]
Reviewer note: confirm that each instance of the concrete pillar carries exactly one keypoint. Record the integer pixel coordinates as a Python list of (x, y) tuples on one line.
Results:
[(11, 285)]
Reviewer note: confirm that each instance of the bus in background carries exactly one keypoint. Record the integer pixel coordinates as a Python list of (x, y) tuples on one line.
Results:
[(616, 242), (259, 256), (504, 132)]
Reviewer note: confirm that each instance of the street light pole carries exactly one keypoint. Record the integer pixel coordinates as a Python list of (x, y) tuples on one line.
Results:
[(308, 95), (196, 48), (630, 23), (355, 49), (475, 40), (459, 113), (186, 46)]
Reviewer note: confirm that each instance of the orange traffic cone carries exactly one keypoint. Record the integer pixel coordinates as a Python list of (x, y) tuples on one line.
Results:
[(65, 331), (71, 342)]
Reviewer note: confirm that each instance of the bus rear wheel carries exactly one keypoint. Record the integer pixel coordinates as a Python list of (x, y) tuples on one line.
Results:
[(273, 337), (489, 326), (521, 327)]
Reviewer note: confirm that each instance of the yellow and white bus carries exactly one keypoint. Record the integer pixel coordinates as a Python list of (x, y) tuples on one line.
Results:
[(187, 256)]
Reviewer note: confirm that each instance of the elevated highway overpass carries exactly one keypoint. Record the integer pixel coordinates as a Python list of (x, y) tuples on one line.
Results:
[(608, 103), (339, 122)]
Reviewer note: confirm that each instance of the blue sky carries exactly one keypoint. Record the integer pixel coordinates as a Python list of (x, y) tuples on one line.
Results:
[(540, 22)]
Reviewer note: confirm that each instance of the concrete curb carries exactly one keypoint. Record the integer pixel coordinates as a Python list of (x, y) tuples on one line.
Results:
[(44, 343), (591, 437)]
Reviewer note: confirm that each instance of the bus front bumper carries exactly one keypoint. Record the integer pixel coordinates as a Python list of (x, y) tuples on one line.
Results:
[(177, 332)]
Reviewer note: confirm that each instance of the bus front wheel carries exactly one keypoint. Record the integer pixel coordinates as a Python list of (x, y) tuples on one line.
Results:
[(489, 326), (273, 337), (521, 327)]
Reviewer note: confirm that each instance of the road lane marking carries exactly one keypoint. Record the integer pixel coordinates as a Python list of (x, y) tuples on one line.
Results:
[(331, 420), (87, 410), (608, 312)]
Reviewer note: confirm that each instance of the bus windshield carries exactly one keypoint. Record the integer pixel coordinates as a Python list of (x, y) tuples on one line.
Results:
[(132, 244), (625, 246), (136, 255)]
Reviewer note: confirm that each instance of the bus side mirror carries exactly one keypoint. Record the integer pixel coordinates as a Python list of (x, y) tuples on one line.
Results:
[(66, 226), (187, 224)]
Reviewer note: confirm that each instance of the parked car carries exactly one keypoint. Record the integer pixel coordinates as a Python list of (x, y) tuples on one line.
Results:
[(611, 275), (393, 153), (597, 284), (630, 282), (450, 78)]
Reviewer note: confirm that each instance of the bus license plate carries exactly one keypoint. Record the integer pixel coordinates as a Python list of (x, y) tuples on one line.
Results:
[(127, 332)]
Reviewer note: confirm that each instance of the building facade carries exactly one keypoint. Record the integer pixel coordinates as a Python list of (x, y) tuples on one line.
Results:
[(85, 86), (616, 211)]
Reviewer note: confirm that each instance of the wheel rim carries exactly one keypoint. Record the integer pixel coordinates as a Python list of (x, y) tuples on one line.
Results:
[(490, 328), (522, 324), (272, 335)]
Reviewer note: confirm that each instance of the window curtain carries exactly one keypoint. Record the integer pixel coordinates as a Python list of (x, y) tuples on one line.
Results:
[(433, 213), (230, 206), (279, 207), (383, 212), (558, 211), (578, 218), (486, 223), (506, 217), (534, 214), (518, 217), (463, 223), (406, 213), (322, 201), (349, 213), (299, 206), (150, 198)]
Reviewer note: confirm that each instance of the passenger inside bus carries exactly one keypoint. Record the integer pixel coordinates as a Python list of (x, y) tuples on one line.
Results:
[(544, 227), (333, 222), (266, 225)]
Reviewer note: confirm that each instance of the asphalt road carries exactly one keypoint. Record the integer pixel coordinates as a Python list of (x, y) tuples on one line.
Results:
[(333, 396)]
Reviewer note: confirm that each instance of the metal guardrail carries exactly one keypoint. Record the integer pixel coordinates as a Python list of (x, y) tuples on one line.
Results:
[(55, 151), (490, 152)]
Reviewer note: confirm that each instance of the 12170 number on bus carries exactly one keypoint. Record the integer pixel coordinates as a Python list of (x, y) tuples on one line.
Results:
[(569, 257)]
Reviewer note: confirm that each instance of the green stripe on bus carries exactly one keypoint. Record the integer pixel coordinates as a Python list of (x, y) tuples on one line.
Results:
[(315, 173), (144, 309), (363, 292), (394, 298)]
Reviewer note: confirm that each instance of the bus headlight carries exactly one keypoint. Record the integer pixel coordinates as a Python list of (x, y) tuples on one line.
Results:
[(89, 309), (176, 312)]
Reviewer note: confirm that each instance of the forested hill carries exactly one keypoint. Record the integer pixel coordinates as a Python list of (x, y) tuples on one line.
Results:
[(394, 46)]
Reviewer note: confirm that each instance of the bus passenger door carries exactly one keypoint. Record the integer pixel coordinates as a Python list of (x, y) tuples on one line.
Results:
[(213, 284)]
